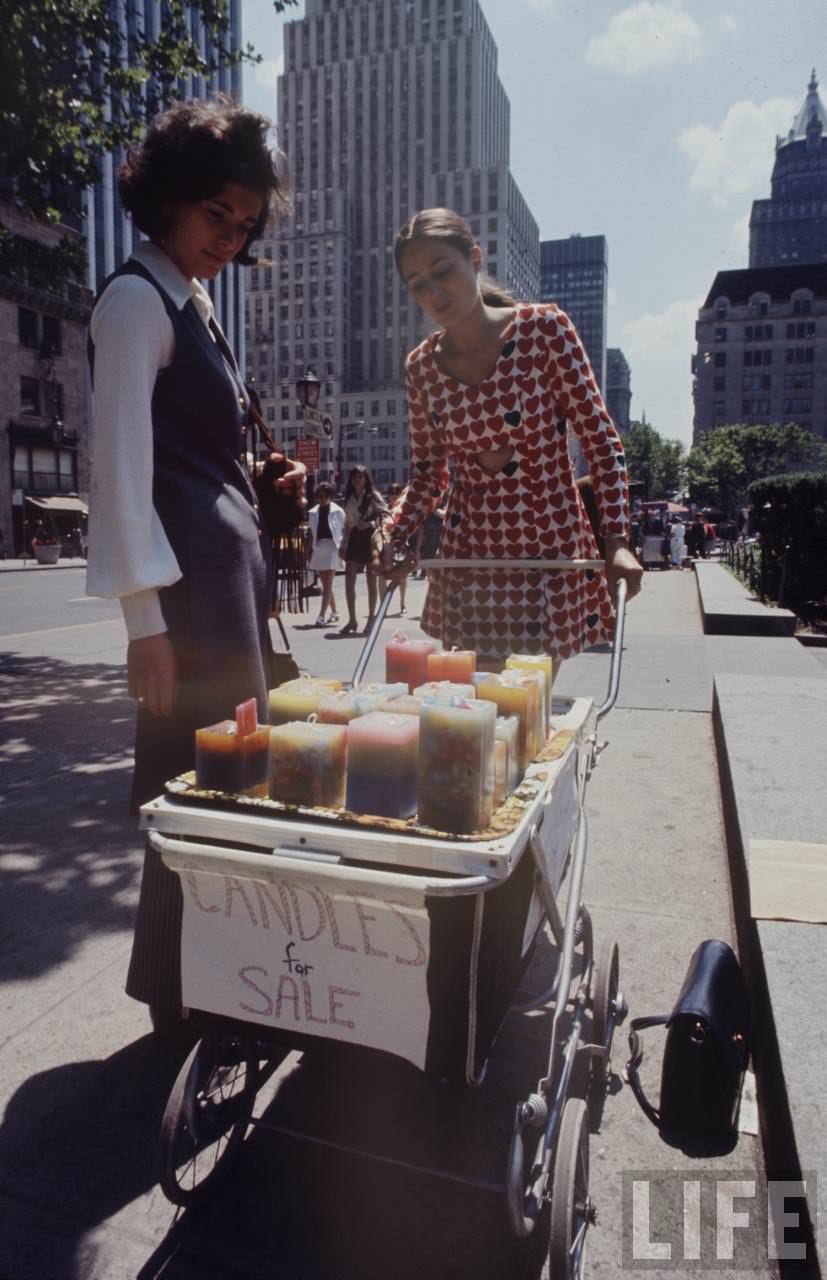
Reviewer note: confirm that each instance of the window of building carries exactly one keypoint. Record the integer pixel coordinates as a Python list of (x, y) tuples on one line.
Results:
[(802, 306), (719, 383), (755, 359), (27, 327), (29, 395), (802, 329), (718, 408), (757, 332), (720, 359), (800, 355), (51, 343)]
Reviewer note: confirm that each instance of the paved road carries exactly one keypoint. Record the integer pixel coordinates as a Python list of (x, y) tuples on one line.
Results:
[(82, 1085)]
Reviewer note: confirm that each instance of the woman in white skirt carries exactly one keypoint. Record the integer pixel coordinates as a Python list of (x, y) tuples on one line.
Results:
[(327, 523)]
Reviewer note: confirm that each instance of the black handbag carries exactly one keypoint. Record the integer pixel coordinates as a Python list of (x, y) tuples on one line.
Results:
[(705, 1056), (281, 666)]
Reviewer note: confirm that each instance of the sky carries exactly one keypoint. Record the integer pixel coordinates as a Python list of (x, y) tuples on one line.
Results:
[(652, 123)]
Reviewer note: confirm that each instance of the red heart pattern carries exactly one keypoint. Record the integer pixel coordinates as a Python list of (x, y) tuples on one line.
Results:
[(543, 375)]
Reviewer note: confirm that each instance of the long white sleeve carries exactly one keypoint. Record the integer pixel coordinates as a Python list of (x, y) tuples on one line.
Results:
[(129, 554)]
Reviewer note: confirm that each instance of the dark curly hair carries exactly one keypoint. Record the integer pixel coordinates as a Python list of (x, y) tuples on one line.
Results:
[(190, 153)]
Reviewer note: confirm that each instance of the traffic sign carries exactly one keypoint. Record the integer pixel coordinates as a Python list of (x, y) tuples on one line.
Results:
[(308, 452), (317, 425)]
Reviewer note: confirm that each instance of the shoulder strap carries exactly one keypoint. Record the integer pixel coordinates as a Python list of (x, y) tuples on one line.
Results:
[(636, 1050)]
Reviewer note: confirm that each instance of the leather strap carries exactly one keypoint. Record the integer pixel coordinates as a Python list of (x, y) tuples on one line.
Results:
[(636, 1050)]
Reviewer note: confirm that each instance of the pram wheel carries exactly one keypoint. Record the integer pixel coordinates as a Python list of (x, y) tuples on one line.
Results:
[(206, 1115), (607, 1012), (571, 1209)]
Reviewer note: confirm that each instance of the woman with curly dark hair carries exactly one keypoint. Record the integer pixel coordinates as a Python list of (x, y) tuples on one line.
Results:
[(175, 533)]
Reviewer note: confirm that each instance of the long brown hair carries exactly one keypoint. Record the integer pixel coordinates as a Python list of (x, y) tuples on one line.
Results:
[(448, 227)]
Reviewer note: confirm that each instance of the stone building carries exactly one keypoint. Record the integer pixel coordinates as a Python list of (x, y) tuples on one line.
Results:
[(383, 109), (762, 349), (110, 233), (792, 225), (618, 388), (44, 477), (574, 273)]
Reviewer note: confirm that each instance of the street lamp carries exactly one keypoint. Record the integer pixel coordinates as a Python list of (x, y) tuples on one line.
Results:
[(308, 389)]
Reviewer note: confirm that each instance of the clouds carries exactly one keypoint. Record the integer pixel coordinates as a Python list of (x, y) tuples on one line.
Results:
[(665, 335), (268, 71), (646, 36), (734, 157)]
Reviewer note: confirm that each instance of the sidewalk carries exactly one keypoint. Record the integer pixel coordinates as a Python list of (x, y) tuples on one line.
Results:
[(83, 1085), (15, 565)]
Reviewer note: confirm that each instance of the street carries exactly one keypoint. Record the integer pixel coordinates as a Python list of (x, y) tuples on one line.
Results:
[(83, 1085)]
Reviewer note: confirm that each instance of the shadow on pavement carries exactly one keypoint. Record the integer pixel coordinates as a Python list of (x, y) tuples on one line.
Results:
[(71, 851), (77, 1144)]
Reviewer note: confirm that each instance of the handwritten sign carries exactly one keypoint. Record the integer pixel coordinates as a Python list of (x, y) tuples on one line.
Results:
[(307, 955)]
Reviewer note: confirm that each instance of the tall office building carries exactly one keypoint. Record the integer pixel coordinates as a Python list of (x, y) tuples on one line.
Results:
[(110, 233), (384, 108), (574, 273), (791, 226), (618, 388)]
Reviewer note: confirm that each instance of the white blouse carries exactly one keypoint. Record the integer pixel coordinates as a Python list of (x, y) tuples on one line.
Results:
[(129, 554)]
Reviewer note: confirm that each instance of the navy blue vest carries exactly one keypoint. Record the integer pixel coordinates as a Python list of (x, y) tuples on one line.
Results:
[(217, 613)]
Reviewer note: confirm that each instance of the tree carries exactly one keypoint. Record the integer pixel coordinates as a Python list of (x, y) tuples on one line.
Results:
[(728, 459), (656, 463), (74, 86)]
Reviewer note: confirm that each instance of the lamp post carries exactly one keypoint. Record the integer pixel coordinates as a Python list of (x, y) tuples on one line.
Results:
[(308, 390)]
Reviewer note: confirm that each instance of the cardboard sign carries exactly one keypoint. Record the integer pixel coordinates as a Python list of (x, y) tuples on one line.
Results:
[(308, 955)]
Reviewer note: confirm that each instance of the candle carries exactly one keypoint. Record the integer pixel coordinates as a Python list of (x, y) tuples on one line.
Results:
[(500, 771), (445, 691), (395, 689), (517, 695), (382, 764), (536, 681), (297, 699), (535, 662), (226, 760), (406, 705), (453, 664), (456, 765), (307, 764), (507, 730), (407, 659)]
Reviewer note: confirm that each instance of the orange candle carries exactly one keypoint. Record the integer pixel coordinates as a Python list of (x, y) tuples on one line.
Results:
[(457, 665)]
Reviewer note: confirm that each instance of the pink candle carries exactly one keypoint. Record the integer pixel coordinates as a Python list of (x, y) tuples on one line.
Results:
[(407, 660), (457, 665)]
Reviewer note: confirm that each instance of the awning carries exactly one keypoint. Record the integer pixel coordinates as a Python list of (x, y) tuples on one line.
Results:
[(60, 504)]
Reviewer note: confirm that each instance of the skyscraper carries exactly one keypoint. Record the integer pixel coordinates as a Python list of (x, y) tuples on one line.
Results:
[(791, 226), (110, 233), (384, 108), (618, 388), (574, 273)]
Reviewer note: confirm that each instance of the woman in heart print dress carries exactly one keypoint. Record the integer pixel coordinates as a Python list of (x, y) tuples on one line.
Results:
[(491, 392)]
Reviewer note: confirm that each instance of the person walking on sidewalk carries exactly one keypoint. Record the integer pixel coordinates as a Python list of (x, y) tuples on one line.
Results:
[(364, 510), (493, 390), (677, 543), (175, 533), (326, 528)]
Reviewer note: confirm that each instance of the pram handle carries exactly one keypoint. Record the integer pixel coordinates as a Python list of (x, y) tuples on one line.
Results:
[(523, 566)]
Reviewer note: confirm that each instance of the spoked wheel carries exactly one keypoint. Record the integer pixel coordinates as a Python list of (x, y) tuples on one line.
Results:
[(521, 1200), (572, 1211), (607, 1012), (206, 1115)]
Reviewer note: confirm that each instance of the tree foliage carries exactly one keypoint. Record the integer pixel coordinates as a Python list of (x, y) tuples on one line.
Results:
[(75, 86), (658, 464), (723, 465)]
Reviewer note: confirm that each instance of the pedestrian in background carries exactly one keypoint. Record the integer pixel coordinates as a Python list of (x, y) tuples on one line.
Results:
[(393, 496), (364, 510), (174, 531), (493, 389), (677, 543), (326, 528)]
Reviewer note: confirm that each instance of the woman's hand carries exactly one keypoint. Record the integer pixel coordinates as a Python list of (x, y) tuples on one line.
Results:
[(151, 673), (620, 563)]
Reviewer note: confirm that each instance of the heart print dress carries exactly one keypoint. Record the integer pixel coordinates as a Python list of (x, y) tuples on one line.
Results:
[(541, 385)]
